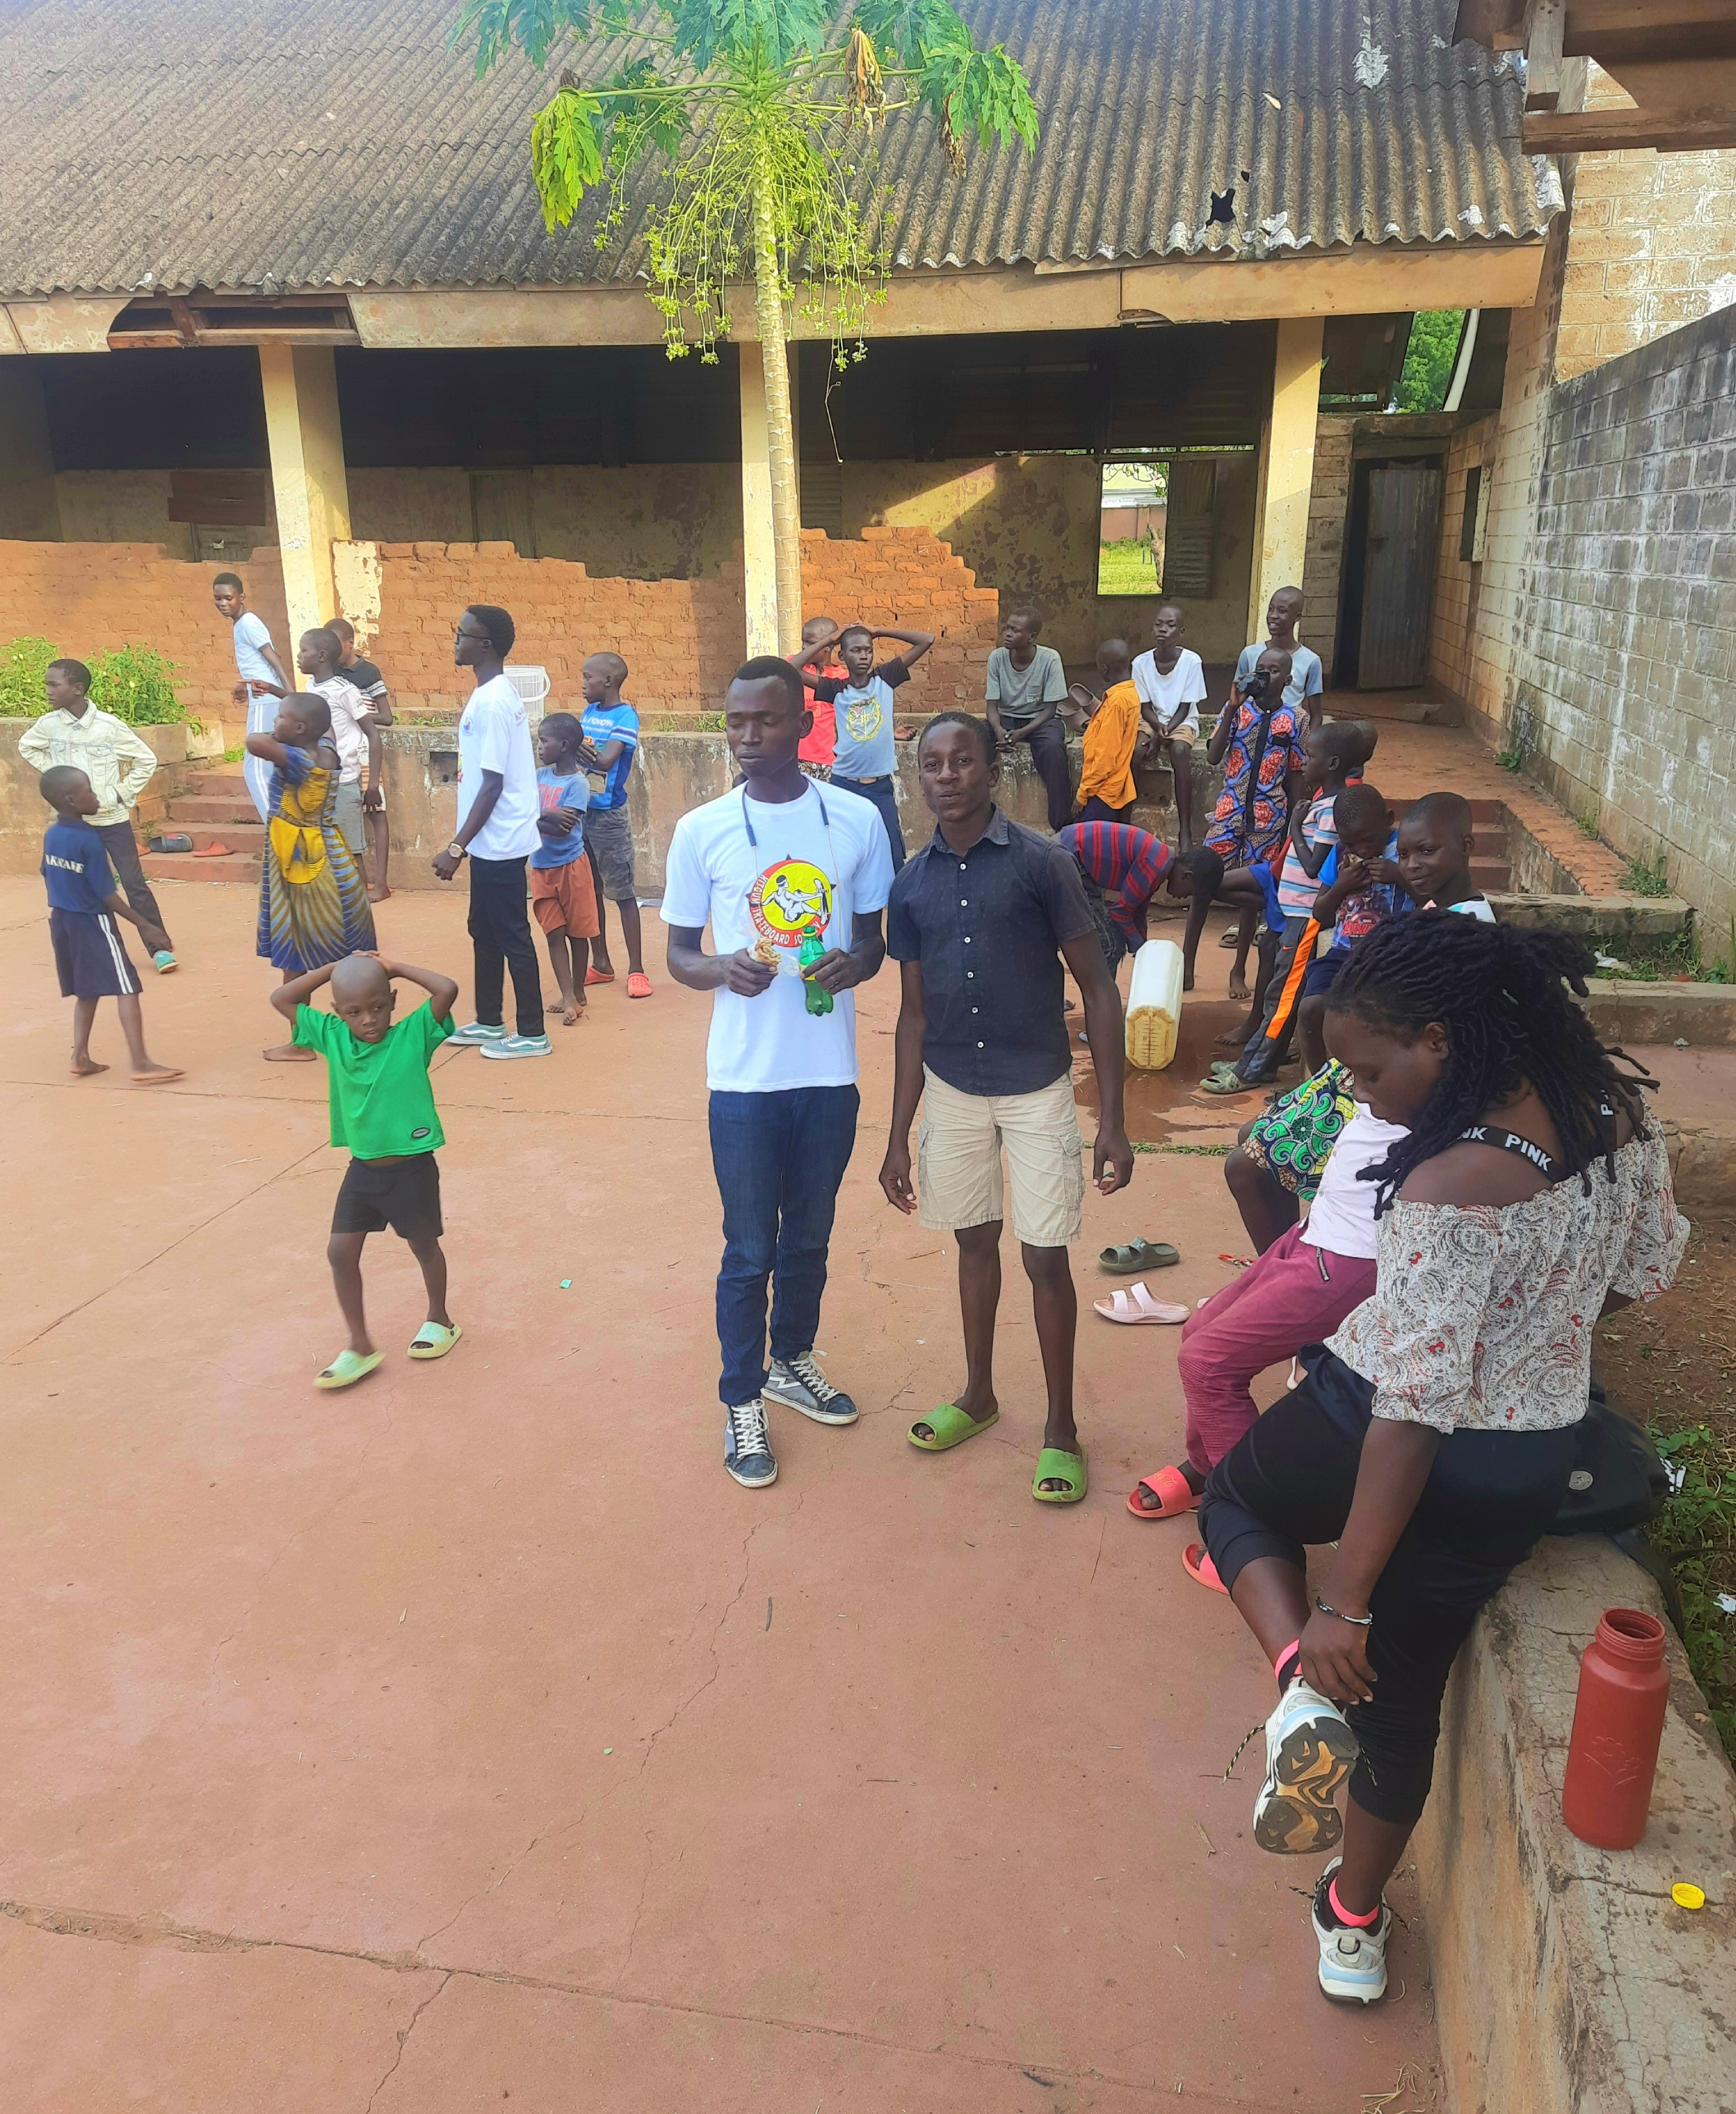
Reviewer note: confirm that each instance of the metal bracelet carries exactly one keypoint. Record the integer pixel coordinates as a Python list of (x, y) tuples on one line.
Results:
[(1356, 1622)]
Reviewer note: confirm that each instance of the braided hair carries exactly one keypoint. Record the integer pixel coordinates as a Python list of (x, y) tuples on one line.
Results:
[(1503, 995)]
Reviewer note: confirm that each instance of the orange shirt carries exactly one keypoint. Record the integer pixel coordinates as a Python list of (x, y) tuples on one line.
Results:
[(1113, 726)]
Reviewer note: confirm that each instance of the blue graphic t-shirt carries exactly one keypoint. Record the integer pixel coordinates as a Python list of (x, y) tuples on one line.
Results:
[(864, 720), (554, 792), (74, 864), (603, 723), (1358, 914)]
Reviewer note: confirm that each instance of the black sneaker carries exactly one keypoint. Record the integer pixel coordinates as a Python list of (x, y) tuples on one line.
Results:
[(746, 1452), (798, 1384)]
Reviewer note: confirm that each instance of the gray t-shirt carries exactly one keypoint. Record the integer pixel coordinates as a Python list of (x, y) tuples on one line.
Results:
[(1022, 693)]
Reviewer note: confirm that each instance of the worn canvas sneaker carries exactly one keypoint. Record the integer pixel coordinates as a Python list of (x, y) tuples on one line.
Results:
[(1310, 1750), (1353, 1960), (747, 1451), (518, 1046), (798, 1384), (478, 1032)]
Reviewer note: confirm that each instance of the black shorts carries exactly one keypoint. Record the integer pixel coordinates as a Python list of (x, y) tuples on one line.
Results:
[(91, 956), (403, 1194)]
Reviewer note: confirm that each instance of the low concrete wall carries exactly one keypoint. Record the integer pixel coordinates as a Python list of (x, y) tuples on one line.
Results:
[(1629, 920), (1566, 1981), (1701, 1015), (24, 815), (675, 773)]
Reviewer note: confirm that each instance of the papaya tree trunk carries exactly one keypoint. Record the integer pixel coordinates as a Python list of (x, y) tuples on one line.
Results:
[(786, 503)]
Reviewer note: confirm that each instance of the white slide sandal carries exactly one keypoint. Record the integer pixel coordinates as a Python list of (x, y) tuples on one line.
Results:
[(1135, 1308)]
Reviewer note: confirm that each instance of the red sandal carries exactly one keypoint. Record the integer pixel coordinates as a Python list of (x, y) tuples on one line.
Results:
[(1174, 1494), (599, 976), (1197, 1564)]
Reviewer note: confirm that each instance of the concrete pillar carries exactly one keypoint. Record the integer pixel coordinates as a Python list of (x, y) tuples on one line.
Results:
[(307, 474), (1286, 467), (758, 544), (29, 503)]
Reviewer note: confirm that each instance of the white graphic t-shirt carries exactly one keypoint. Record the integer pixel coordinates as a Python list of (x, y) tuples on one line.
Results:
[(760, 873)]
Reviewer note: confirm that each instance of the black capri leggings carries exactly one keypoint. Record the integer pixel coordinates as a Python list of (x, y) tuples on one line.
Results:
[(1490, 1498)]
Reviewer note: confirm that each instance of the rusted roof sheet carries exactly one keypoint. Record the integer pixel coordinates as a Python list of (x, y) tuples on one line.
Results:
[(274, 145)]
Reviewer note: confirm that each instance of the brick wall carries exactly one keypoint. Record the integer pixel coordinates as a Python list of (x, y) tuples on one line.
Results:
[(1458, 581), (92, 597), (1653, 245), (682, 639), (1329, 509)]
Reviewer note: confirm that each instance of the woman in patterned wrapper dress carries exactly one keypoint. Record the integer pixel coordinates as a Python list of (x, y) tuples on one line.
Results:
[(1431, 1438), (314, 905)]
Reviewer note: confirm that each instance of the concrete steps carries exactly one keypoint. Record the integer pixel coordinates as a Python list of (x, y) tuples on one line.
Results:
[(179, 865), (214, 808)]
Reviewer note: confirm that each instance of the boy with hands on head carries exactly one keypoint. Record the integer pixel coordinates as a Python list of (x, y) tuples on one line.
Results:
[(382, 1109)]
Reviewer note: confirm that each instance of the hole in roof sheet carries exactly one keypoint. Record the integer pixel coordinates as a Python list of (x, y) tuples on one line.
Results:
[(1223, 207)]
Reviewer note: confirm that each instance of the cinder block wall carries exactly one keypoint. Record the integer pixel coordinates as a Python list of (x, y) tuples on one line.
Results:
[(1329, 513), (682, 639)]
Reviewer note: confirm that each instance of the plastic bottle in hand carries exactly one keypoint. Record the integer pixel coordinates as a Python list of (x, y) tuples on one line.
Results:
[(813, 947)]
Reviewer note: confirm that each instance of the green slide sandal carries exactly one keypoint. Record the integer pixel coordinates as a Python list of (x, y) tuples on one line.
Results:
[(949, 1425), (347, 1368), (1137, 1254), (1053, 1466)]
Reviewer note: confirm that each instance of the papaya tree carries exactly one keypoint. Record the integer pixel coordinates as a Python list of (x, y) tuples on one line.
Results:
[(747, 127)]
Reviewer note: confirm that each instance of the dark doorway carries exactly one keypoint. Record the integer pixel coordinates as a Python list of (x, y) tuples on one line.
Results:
[(1390, 572)]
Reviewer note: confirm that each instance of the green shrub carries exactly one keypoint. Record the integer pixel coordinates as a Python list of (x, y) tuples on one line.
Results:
[(22, 666), (136, 684)]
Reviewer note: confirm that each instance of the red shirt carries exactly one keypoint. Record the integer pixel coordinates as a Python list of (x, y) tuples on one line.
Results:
[(821, 745)]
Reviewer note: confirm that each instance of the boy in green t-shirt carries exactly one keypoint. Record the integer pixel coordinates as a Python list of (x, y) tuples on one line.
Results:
[(382, 1108)]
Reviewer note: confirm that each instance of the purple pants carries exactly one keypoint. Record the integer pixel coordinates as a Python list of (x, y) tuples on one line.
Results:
[(1292, 1295)]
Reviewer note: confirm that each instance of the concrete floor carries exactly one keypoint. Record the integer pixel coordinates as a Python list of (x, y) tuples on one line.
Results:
[(469, 1738)]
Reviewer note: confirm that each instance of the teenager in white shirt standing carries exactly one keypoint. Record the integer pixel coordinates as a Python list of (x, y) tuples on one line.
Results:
[(773, 862), (262, 680), (1171, 680), (498, 805)]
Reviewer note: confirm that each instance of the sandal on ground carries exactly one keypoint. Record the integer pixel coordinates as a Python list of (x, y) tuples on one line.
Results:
[(638, 985), (1135, 1308), (1226, 1082), (599, 976), (1173, 1493), (949, 1426), (1197, 1564), (1055, 1465), (1137, 1254), (433, 1340), (347, 1368), (1227, 938)]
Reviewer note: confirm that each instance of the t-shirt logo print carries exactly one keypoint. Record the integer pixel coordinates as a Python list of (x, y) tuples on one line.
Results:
[(787, 898), (862, 717)]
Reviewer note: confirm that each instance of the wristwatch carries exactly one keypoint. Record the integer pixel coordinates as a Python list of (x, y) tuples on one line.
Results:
[(456, 850)]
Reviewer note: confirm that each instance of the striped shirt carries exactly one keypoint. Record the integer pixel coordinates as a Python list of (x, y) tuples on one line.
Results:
[(1128, 864)]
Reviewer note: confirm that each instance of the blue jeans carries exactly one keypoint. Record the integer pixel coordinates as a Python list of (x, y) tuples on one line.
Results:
[(779, 1158)]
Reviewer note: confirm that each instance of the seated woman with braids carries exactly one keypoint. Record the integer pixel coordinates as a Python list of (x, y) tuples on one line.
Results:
[(1433, 1437)]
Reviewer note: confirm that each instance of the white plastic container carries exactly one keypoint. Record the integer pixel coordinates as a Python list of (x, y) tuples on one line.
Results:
[(1154, 1006), (531, 685)]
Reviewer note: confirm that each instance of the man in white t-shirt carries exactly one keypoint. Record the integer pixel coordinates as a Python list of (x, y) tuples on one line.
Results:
[(498, 804), (775, 866), (1171, 683), (262, 680)]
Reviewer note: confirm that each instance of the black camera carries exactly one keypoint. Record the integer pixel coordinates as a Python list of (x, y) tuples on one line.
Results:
[(1254, 689)]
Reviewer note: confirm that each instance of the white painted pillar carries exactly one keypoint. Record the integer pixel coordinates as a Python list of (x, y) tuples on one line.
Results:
[(308, 478), (1286, 467), (758, 542)]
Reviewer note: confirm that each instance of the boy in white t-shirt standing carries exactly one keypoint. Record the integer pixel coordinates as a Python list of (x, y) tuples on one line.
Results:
[(355, 734), (778, 867), (262, 680), (498, 804), (1171, 683)]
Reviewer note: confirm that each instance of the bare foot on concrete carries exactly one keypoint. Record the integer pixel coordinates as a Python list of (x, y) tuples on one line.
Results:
[(157, 1075), (1238, 990), (286, 1053), (571, 1013)]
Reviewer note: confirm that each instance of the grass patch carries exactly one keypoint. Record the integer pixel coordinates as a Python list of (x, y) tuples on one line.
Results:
[(682, 722), (1587, 822), (1647, 877), (1127, 568), (1696, 1528), (1510, 759), (1186, 1151), (235, 755), (1679, 960)]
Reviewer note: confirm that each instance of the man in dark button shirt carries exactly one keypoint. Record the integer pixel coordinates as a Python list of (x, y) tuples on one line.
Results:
[(980, 920)]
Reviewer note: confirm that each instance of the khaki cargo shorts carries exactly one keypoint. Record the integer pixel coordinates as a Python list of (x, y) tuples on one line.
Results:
[(960, 1143)]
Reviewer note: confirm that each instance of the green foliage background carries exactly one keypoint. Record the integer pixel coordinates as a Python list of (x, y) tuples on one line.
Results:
[(1428, 363)]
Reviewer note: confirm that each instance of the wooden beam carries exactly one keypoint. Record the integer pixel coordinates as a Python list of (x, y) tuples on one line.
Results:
[(1618, 131), (1496, 24), (1543, 55), (1680, 43), (1601, 18)]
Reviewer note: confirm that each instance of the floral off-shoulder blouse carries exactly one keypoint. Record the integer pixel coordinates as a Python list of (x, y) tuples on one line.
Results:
[(1481, 1315)]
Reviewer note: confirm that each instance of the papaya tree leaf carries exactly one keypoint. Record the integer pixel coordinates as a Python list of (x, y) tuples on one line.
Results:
[(566, 153)]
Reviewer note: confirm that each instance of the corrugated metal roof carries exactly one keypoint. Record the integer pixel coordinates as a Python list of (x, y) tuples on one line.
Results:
[(281, 144)]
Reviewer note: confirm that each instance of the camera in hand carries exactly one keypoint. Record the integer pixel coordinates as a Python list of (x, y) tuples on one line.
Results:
[(1256, 687)]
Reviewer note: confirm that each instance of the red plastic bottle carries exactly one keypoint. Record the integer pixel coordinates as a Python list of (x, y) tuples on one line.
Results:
[(1618, 1723)]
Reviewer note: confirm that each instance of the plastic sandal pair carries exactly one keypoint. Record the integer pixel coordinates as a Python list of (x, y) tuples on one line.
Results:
[(1137, 1254), (433, 1340), (948, 1425)]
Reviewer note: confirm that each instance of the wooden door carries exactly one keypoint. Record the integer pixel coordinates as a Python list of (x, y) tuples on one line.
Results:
[(1399, 574)]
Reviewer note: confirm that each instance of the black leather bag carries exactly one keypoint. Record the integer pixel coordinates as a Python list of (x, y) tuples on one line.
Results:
[(1617, 1482)]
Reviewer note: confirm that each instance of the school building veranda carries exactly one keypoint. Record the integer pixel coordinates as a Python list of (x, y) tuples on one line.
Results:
[(453, 1743)]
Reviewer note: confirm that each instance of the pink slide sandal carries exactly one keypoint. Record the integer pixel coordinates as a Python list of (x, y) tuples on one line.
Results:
[(1197, 1564), (1135, 1308), (1173, 1492)]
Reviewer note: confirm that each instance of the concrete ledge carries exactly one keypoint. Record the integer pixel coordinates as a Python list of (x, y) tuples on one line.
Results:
[(1701, 1015), (1566, 1981), (1628, 919)]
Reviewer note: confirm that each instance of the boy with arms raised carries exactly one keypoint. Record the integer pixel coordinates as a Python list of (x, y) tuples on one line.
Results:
[(866, 758), (118, 762), (773, 866), (382, 1109), (83, 905), (611, 731), (981, 919)]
